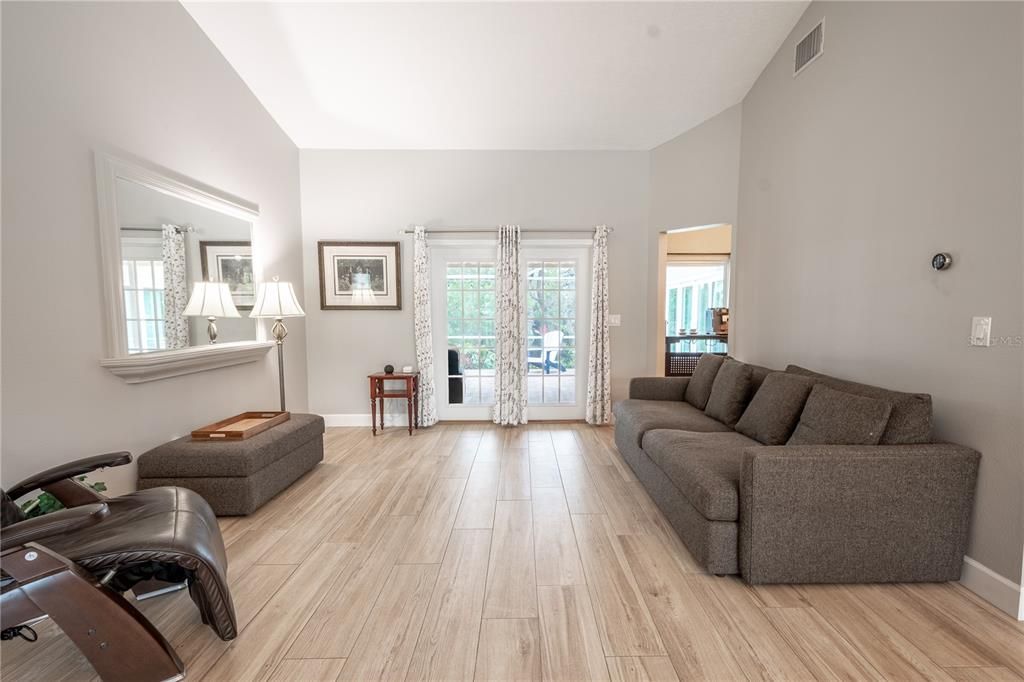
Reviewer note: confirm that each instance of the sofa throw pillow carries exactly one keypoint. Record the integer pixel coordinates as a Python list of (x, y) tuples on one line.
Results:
[(730, 392), (911, 417), (698, 390), (832, 417), (775, 408)]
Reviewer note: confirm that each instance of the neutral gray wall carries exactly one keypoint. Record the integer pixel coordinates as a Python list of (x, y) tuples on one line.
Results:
[(902, 140), (694, 181), (141, 77), (372, 195), (694, 177)]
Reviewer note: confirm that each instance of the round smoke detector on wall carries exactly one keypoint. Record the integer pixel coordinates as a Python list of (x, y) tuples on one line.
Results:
[(942, 261)]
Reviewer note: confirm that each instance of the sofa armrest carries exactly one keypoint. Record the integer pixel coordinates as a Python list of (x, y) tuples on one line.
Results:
[(658, 388), (854, 513)]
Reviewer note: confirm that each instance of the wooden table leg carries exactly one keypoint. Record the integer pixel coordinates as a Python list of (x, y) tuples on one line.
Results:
[(373, 406), (416, 401), (381, 406)]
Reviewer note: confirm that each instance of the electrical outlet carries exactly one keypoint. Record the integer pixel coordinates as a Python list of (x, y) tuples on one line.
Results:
[(615, 320), (981, 331)]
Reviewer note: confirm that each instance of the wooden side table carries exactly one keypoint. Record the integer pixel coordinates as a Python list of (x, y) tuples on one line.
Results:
[(411, 393)]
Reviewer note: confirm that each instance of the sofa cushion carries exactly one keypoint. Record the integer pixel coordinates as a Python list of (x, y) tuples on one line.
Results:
[(705, 467), (699, 389), (638, 417), (775, 409), (757, 376), (730, 392), (911, 418), (832, 417)]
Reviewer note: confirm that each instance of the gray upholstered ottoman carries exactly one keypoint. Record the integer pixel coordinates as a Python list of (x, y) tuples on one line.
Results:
[(237, 477)]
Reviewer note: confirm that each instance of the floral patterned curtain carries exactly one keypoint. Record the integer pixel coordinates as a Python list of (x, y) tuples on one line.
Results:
[(510, 344), (423, 327), (599, 394), (175, 287)]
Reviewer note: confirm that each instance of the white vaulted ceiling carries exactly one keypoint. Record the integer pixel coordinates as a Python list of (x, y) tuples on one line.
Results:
[(509, 75)]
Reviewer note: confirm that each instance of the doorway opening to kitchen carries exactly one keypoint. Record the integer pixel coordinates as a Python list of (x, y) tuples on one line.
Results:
[(695, 270)]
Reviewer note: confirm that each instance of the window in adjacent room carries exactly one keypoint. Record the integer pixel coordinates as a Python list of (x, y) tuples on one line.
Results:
[(692, 290)]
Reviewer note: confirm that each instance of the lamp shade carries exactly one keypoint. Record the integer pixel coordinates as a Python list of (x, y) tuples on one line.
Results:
[(276, 299), (210, 299)]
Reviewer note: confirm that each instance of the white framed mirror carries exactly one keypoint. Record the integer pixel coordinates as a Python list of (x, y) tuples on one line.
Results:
[(180, 268)]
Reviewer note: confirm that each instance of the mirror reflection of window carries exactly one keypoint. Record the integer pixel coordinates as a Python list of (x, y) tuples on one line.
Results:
[(167, 245), (143, 283)]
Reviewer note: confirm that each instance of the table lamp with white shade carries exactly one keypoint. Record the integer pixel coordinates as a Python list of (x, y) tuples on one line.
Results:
[(211, 300), (277, 300)]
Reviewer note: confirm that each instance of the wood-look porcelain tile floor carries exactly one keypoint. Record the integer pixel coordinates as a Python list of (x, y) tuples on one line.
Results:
[(474, 552)]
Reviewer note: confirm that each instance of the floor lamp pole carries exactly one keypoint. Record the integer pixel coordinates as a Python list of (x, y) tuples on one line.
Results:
[(280, 331)]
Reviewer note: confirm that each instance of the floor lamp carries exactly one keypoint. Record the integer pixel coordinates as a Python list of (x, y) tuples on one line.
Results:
[(277, 300)]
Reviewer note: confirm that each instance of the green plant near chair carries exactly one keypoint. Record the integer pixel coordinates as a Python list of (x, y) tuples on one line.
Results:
[(46, 503)]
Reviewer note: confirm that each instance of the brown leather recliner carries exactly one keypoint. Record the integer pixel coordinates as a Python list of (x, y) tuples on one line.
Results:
[(73, 564)]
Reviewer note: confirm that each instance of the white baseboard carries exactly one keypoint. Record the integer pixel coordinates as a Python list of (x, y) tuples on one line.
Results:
[(983, 581), (336, 420)]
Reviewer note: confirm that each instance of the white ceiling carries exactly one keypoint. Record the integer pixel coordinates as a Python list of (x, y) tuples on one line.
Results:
[(517, 75)]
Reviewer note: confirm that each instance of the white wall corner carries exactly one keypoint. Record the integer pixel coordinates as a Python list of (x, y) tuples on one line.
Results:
[(1002, 593)]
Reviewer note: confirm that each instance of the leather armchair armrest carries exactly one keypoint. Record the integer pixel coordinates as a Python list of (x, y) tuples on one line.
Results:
[(69, 470), (56, 523)]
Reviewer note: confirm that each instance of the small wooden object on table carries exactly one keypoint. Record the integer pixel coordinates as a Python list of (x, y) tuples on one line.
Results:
[(411, 393), (241, 426)]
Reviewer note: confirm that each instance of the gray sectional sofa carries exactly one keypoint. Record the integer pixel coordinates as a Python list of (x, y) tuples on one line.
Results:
[(799, 477)]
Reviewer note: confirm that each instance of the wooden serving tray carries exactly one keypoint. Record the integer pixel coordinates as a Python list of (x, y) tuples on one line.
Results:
[(241, 426)]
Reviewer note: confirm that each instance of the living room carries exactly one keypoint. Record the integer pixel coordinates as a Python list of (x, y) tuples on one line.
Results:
[(445, 230)]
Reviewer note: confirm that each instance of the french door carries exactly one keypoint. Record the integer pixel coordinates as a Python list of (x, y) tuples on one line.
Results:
[(556, 294)]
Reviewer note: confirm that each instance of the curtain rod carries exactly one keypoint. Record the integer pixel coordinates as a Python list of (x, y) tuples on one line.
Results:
[(488, 230), (187, 227)]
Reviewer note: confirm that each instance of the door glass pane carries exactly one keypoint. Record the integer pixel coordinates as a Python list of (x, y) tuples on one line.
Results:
[(534, 389), (145, 272), (551, 331), (134, 345), (487, 276), (469, 288), (567, 390)]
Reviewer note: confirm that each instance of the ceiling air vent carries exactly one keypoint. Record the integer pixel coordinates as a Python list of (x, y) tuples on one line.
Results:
[(809, 49)]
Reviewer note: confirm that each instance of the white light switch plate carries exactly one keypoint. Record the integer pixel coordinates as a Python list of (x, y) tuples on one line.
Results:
[(981, 331), (615, 320)]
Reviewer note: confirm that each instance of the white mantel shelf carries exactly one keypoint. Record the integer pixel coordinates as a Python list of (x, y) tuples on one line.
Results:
[(142, 367)]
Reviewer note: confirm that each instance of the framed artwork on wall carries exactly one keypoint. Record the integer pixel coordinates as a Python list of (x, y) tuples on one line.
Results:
[(230, 262), (360, 275)]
